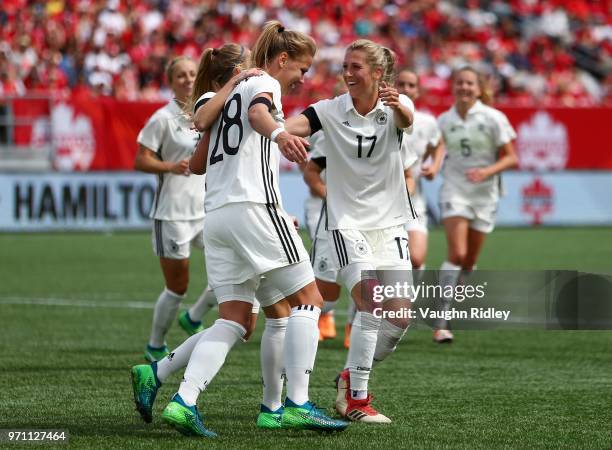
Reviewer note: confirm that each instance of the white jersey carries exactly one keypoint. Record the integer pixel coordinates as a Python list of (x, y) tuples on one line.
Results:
[(169, 133), (317, 151), (366, 189), (243, 165), (426, 134), (472, 143)]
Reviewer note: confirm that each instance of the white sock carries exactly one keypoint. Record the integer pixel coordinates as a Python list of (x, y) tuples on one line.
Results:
[(272, 359), (448, 276), (166, 307), (208, 356), (301, 341), (328, 307), (361, 352), (178, 358), (389, 336), (205, 302)]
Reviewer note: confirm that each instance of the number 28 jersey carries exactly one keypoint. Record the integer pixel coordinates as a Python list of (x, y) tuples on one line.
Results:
[(472, 143), (366, 188), (243, 165)]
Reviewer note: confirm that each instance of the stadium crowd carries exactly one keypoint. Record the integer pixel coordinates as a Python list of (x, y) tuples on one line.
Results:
[(549, 52)]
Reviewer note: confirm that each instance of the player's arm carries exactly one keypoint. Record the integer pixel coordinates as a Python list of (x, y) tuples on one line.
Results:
[(147, 161), (292, 147), (312, 177), (410, 181), (401, 113), (197, 163), (208, 109), (299, 125), (436, 152), (507, 160)]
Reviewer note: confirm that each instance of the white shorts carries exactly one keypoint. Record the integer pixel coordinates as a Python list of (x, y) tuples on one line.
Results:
[(312, 211), (173, 238), (245, 240), (355, 251), (481, 217), (322, 260)]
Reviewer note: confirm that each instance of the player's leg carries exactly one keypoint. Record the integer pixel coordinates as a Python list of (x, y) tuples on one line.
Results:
[(417, 244), (272, 357), (456, 229), (325, 275)]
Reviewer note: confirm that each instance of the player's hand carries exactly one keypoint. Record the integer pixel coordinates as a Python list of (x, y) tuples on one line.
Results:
[(255, 72), (292, 147), (428, 172), (181, 167), (389, 95), (477, 174)]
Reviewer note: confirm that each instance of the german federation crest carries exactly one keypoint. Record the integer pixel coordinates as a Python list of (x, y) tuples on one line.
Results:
[(381, 117)]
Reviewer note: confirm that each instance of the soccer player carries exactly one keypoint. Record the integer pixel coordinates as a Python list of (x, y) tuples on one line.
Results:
[(426, 143), (478, 140), (248, 234), (165, 145), (367, 207)]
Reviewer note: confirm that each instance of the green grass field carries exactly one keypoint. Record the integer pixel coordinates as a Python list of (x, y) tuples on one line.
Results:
[(75, 312)]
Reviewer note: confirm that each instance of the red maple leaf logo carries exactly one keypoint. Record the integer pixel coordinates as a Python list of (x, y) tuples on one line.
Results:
[(537, 200)]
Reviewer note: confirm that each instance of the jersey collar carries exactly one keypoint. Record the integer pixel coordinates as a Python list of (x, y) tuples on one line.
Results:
[(348, 105), (174, 107), (476, 108)]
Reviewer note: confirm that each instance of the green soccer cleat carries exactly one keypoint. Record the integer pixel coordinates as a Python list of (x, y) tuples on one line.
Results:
[(153, 354), (145, 385), (269, 419), (309, 417), (189, 325), (185, 419)]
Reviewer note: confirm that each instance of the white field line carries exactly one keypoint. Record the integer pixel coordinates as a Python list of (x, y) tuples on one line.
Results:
[(75, 303)]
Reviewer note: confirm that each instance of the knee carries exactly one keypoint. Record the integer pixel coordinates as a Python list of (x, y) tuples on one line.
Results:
[(457, 258)]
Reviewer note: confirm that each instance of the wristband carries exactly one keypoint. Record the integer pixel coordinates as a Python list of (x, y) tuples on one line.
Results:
[(276, 132)]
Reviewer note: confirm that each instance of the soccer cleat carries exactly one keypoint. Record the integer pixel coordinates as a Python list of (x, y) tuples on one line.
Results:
[(309, 417), (327, 326), (145, 385), (189, 325), (362, 411), (185, 419), (269, 419), (153, 354), (347, 335), (443, 336)]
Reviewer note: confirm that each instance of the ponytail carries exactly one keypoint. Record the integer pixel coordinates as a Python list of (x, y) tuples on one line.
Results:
[(275, 39)]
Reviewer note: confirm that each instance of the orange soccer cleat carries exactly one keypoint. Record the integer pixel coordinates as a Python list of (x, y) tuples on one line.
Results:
[(327, 326)]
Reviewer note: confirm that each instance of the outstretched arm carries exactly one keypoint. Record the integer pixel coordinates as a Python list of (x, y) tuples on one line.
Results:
[(147, 161)]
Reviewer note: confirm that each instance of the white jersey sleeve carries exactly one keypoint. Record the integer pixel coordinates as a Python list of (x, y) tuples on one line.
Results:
[(243, 166), (405, 101), (152, 134), (502, 130), (202, 100)]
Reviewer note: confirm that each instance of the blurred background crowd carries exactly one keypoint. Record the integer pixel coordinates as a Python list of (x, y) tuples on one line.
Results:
[(549, 52)]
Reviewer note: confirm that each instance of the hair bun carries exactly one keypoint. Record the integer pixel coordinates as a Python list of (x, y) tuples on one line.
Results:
[(281, 29), (215, 52)]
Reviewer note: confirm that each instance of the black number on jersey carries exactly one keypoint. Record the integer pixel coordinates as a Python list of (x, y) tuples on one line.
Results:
[(225, 124), (360, 145), (466, 150), (398, 241)]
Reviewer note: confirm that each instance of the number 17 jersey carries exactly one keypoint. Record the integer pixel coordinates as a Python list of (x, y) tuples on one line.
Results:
[(243, 165)]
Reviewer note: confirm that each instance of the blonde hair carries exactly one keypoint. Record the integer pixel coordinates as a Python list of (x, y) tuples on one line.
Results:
[(274, 39), (377, 56), (217, 67), (172, 65), (486, 93)]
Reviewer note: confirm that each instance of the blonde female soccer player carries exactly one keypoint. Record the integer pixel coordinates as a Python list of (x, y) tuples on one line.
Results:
[(248, 234), (479, 147), (367, 207)]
